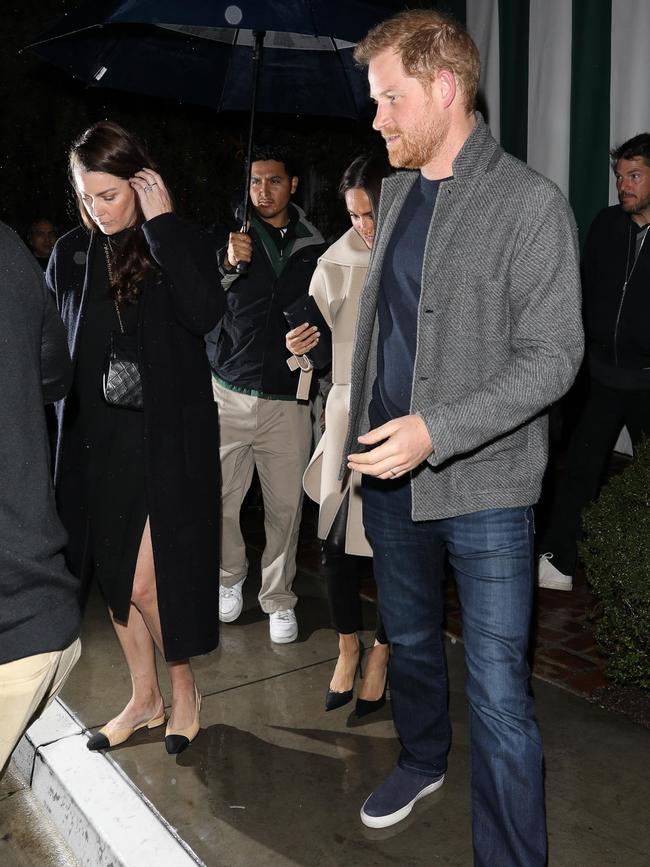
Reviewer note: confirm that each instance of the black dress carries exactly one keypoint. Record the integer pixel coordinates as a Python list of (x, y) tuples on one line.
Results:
[(121, 465), (112, 446)]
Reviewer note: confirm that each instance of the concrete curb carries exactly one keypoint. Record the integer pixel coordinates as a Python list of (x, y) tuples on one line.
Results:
[(105, 820)]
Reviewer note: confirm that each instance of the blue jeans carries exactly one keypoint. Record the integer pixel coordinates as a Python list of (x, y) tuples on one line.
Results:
[(491, 553)]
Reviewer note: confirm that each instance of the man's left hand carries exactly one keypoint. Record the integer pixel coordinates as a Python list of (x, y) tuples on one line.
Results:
[(403, 444)]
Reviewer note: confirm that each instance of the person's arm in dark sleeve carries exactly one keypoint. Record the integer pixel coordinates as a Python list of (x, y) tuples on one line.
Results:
[(188, 256), (56, 367)]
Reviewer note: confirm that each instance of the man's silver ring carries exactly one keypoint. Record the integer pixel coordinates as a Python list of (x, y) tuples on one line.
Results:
[(148, 188)]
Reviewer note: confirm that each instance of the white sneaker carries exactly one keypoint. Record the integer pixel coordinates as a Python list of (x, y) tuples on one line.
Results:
[(283, 626), (231, 602), (550, 577)]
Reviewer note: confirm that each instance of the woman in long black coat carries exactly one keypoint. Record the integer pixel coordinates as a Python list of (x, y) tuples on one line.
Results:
[(139, 491)]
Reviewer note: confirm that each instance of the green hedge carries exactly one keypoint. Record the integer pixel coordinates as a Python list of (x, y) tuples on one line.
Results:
[(616, 554)]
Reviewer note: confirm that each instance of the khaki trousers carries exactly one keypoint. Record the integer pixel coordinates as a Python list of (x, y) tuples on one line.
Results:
[(275, 437), (27, 687)]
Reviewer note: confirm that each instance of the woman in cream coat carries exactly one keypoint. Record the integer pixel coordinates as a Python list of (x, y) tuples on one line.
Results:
[(336, 286)]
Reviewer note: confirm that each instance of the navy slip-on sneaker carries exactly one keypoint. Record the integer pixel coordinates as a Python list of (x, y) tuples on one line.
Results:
[(393, 800)]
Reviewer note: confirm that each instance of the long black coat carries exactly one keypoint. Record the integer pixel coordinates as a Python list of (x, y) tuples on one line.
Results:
[(181, 300)]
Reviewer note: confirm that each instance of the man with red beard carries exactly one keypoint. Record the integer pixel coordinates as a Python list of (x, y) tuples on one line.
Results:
[(468, 328), (615, 279)]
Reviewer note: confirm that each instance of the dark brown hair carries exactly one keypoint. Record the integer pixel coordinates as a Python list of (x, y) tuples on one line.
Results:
[(426, 41), (107, 147), (367, 172), (639, 146)]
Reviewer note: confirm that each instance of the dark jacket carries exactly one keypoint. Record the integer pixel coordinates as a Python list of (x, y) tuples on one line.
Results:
[(180, 302), (247, 348), (617, 317), (39, 612)]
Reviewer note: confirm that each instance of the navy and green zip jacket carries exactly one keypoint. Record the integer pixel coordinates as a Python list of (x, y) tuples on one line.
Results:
[(247, 348)]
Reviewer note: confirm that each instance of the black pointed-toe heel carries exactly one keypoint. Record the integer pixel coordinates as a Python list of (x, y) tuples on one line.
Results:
[(365, 706), (176, 742), (335, 700)]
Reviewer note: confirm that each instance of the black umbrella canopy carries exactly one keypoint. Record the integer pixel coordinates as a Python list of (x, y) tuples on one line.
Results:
[(181, 66), (348, 20), (197, 51), (280, 56)]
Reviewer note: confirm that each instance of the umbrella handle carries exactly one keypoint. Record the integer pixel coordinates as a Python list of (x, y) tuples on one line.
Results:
[(242, 267)]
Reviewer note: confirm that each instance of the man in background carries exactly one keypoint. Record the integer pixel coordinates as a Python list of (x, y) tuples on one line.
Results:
[(41, 237), (615, 282)]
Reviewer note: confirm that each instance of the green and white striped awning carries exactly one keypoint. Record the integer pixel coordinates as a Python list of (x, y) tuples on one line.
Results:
[(563, 81)]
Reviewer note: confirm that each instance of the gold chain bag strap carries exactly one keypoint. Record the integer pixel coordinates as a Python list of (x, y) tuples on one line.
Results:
[(122, 382)]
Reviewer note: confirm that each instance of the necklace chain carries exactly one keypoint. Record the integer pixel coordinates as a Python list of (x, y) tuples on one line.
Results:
[(109, 266)]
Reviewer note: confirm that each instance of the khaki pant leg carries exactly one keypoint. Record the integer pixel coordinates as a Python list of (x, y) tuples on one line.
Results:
[(27, 686), (237, 422), (282, 448), (67, 661)]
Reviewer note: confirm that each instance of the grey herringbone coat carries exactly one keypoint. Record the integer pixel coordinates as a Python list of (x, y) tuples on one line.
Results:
[(499, 334)]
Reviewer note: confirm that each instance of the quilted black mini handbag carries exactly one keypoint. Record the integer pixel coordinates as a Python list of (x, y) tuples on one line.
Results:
[(122, 382)]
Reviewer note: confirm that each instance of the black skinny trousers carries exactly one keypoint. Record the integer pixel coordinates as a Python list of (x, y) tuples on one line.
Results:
[(605, 412), (342, 577)]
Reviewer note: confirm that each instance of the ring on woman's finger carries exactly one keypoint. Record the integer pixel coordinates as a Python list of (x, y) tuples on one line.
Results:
[(147, 188)]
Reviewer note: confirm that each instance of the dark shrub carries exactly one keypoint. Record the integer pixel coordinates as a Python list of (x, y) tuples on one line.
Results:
[(616, 555)]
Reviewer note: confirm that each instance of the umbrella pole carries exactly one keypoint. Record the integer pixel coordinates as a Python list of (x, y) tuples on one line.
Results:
[(242, 267)]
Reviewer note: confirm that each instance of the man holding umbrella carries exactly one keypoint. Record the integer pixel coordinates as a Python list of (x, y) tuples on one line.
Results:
[(262, 425)]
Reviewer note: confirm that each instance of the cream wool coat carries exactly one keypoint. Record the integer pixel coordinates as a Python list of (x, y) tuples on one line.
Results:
[(336, 286)]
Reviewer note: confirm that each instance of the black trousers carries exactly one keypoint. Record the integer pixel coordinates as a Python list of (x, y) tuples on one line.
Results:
[(605, 412), (342, 577)]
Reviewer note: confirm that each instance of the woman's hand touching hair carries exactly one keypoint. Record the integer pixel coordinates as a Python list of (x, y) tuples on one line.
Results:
[(152, 193)]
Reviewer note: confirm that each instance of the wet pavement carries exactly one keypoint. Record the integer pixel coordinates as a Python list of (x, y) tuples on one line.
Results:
[(27, 838), (272, 780)]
